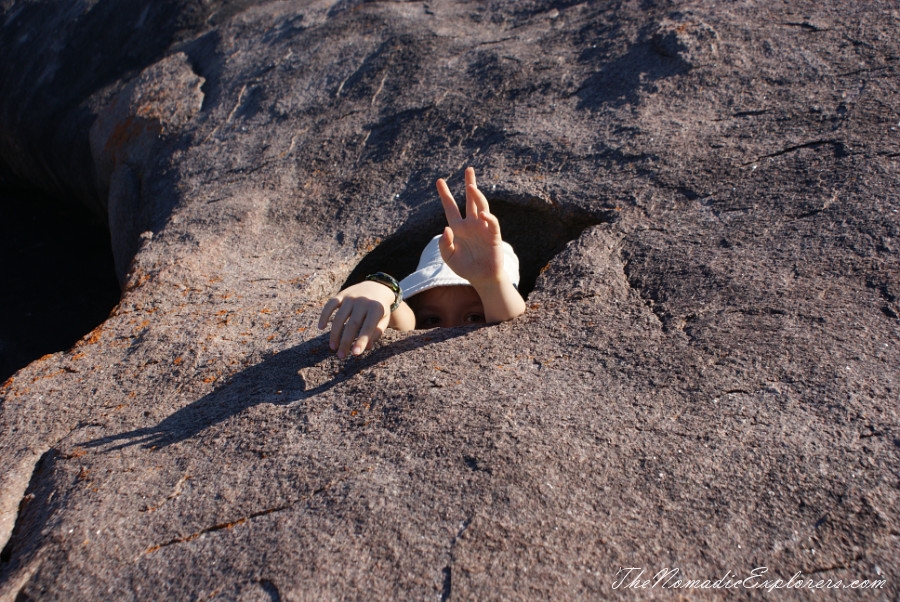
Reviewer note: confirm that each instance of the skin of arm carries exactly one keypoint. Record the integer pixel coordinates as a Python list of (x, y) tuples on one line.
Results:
[(403, 318), (471, 246)]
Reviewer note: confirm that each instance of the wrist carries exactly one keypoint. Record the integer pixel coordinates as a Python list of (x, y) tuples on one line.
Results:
[(500, 298), (390, 283), (490, 283)]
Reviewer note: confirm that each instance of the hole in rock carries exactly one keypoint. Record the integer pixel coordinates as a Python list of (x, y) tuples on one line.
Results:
[(58, 276), (536, 230)]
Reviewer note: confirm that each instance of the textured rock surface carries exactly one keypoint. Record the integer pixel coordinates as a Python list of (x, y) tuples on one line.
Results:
[(706, 377)]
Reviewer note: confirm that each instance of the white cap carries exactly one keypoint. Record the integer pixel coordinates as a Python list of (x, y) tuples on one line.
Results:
[(433, 271)]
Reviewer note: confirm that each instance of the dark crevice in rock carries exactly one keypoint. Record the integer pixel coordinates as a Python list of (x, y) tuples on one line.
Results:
[(447, 587), (58, 276), (447, 571), (804, 25), (840, 149), (737, 391), (206, 62), (219, 527), (231, 524), (749, 113), (271, 589), (536, 229)]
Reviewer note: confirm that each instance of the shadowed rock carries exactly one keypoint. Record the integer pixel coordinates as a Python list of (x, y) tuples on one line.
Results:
[(704, 199)]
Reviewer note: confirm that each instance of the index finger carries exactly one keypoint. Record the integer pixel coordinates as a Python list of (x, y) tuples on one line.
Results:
[(450, 208), (331, 305)]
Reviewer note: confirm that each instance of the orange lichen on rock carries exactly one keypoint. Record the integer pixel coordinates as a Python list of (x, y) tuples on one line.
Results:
[(90, 338), (50, 375), (126, 132)]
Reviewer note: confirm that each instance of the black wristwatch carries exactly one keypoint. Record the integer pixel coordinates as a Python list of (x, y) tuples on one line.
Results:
[(390, 282)]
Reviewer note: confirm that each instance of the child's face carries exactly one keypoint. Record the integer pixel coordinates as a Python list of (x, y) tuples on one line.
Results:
[(447, 306)]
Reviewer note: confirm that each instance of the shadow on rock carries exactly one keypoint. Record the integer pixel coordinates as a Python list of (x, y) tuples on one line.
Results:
[(287, 377), (619, 82)]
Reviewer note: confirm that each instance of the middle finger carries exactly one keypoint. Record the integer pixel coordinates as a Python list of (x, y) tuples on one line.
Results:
[(351, 332), (337, 325)]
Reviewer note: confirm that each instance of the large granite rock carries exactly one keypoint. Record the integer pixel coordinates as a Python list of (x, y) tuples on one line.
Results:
[(704, 195)]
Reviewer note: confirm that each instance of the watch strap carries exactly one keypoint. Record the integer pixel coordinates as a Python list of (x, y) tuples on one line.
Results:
[(390, 282)]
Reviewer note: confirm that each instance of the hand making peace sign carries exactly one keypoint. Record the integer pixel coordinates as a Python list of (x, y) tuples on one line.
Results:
[(471, 245)]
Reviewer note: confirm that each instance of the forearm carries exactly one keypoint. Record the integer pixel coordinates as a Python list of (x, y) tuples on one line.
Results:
[(500, 299), (403, 318)]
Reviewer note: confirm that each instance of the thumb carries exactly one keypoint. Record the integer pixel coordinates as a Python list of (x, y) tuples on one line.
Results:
[(446, 244)]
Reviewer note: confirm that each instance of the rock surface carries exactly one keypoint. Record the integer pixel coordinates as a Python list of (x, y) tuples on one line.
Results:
[(705, 198)]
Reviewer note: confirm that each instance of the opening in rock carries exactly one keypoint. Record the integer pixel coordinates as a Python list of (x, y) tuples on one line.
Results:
[(536, 230), (58, 276)]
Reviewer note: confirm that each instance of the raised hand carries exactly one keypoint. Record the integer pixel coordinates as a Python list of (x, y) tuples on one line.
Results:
[(473, 248), (471, 245)]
